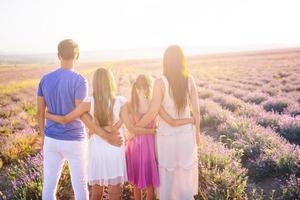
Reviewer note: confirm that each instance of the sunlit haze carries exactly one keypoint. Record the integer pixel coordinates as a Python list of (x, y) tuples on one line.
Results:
[(36, 26)]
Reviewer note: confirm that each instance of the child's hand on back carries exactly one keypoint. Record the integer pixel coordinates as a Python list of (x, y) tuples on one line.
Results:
[(115, 140), (155, 128)]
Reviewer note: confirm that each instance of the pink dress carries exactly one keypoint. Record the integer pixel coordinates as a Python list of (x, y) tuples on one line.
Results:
[(141, 162)]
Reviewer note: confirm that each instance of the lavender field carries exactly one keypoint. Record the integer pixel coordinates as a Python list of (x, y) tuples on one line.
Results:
[(250, 124)]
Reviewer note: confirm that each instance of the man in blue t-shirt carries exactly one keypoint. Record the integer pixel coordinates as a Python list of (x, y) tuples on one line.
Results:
[(60, 92)]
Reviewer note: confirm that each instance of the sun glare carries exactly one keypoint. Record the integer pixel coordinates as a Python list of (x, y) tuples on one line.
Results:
[(37, 26)]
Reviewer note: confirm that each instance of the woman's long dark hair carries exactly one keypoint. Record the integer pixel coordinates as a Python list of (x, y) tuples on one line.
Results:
[(175, 70)]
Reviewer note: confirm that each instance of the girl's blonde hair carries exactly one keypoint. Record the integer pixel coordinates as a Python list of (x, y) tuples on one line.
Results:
[(142, 83), (104, 93)]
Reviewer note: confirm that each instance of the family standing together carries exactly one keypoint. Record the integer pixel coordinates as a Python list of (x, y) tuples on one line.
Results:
[(149, 140)]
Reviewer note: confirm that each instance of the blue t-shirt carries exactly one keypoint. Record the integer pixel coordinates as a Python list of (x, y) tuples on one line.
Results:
[(60, 89)]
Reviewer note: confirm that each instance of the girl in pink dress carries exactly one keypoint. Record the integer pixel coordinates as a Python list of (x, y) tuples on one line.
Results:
[(142, 170)]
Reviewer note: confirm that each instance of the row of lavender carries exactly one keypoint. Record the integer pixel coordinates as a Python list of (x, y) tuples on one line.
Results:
[(271, 113), (265, 154), (233, 167), (255, 110), (271, 98), (221, 173)]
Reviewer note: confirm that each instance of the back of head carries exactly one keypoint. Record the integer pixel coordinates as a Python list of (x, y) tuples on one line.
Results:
[(104, 93), (175, 70), (68, 50), (142, 84)]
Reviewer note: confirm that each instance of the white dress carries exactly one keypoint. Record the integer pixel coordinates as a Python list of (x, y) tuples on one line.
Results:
[(106, 163), (176, 154)]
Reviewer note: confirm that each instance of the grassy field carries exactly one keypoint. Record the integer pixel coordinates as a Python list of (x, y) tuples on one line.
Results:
[(250, 124)]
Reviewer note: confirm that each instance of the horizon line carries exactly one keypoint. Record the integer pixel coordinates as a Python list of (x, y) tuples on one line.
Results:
[(50, 58), (210, 49)]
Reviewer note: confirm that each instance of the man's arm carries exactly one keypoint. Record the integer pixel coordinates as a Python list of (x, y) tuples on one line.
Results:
[(82, 107), (113, 139), (41, 109)]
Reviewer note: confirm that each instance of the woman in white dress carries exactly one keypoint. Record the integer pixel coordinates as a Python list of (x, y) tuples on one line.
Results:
[(176, 146), (106, 162)]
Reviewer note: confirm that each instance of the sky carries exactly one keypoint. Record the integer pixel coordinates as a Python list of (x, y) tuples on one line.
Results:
[(36, 26)]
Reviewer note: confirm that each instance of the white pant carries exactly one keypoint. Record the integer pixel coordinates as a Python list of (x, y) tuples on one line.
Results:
[(55, 154)]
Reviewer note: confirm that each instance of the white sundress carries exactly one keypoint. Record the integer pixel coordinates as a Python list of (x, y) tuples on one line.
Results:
[(106, 163), (176, 153)]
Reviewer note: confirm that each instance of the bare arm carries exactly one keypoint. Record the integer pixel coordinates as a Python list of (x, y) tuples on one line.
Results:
[(80, 111), (117, 126), (41, 108), (56, 118), (81, 108), (174, 122), (195, 108), (154, 105), (87, 120), (129, 124), (114, 128), (113, 139)]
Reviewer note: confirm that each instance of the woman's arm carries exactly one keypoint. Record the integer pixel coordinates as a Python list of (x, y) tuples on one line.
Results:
[(117, 126), (77, 112), (129, 124), (113, 139), (114, 128), (195, 108), (174, 122), (56, 118), (157, 96)]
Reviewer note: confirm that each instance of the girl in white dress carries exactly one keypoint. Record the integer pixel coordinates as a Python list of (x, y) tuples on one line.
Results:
[(106, 163), (176, 147)]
